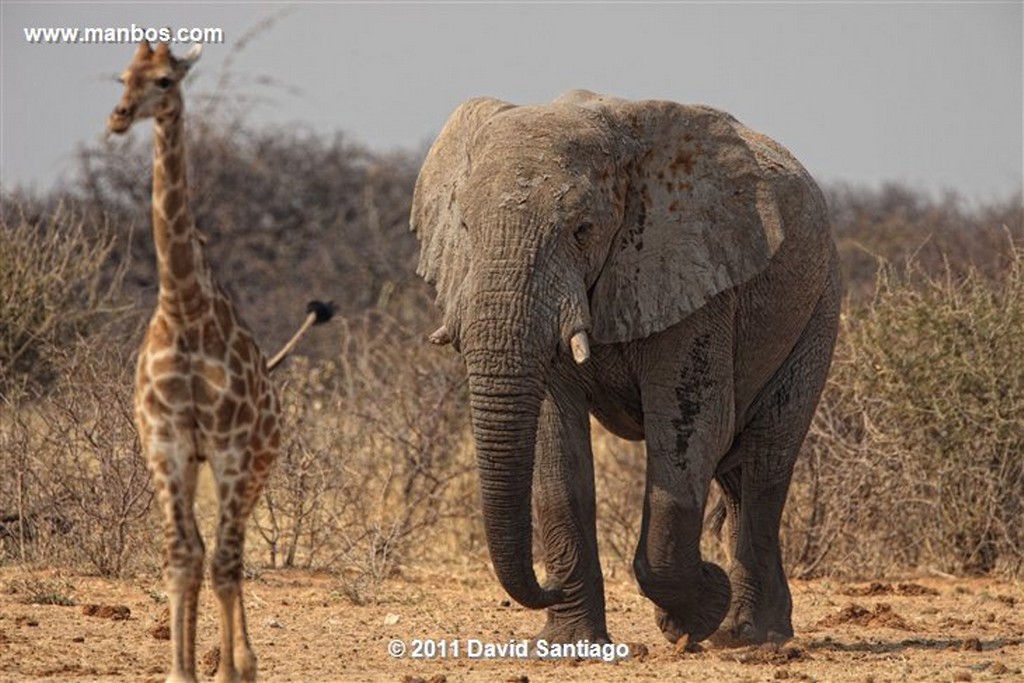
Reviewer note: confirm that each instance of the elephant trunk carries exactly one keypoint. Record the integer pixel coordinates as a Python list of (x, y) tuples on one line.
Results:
[(505, 413), (506, 361)]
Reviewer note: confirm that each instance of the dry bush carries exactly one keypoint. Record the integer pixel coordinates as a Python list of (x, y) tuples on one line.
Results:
[(374, 468), (53, 290), (80, 494), (914, 457), (898, 225), (75, 490)]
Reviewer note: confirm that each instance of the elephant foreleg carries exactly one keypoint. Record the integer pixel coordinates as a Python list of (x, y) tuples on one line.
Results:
[(564, 496), (688, 412)]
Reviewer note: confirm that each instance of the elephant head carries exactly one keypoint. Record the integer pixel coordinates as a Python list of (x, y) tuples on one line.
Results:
[(590, 220)]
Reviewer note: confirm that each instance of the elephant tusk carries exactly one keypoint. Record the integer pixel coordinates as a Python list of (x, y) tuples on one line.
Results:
[(441, 336), (580, 347)]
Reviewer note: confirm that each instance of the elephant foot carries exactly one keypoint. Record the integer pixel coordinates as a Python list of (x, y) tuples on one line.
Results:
[(699, 616), (745, 634), (571, 629), (753, 621), (741, 629)]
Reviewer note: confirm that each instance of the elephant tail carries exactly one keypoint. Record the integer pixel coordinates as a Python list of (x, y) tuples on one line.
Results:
[(715, 520)]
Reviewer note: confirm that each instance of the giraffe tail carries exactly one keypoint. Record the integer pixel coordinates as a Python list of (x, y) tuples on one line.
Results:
[(317, 312)]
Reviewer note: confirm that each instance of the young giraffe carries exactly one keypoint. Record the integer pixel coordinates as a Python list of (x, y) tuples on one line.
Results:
[(203, 391)]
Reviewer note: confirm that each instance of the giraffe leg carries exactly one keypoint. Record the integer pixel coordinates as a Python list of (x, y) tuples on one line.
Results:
[(237, 498), (237, 661), (175, 471)]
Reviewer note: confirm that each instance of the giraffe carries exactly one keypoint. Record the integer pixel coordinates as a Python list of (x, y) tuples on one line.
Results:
[(203, 390)]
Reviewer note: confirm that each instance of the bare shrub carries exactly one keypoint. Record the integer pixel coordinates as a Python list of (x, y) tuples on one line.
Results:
[(81, 493), (914, 457), (941, 236), (52, 288), (77, 491), (374, 457)]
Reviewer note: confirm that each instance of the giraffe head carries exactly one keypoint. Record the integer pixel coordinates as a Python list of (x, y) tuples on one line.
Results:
[(151, 85)]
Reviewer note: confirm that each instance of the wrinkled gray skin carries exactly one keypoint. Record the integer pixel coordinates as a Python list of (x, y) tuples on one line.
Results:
[(697, 257)]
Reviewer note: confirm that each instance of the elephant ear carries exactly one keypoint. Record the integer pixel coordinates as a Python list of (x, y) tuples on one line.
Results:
[(703, 213), (435, 218)]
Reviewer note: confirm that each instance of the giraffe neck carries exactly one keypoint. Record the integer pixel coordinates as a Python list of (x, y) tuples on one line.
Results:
[(186, 288)]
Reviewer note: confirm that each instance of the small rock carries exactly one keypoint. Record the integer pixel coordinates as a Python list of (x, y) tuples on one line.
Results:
[(113, 612), (78, 639), (391, 619)]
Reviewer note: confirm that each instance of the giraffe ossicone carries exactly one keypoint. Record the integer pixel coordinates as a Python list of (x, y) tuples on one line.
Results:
[(203, 390)]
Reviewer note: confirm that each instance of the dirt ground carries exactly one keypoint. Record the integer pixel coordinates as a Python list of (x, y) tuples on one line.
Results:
[(304, 629)]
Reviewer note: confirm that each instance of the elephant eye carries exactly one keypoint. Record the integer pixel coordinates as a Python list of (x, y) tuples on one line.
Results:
[(583, 231)]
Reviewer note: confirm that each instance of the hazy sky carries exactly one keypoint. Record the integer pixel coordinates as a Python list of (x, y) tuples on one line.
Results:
[(924, 93)]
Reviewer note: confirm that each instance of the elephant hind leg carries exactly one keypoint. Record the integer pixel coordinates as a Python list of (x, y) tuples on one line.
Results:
[(761, 606), (766, 449)]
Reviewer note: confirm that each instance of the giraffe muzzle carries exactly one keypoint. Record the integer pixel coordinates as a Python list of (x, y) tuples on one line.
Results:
[(120, 119)]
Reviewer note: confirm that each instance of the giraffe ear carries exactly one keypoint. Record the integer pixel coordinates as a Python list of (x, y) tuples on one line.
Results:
[(182, 65), (193, 55)]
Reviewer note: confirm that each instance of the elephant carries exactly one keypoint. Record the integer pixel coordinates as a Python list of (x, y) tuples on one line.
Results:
[(669, 271)]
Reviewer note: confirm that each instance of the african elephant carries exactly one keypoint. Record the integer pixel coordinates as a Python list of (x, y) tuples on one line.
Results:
[(669, 271)]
